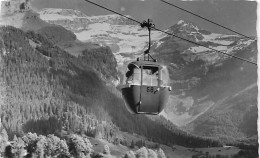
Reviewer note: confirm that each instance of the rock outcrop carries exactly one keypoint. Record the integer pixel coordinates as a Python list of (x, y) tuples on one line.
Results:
[(12, 6)]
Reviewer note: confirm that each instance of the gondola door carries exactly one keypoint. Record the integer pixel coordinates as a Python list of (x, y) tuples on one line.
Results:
[(150, 91)]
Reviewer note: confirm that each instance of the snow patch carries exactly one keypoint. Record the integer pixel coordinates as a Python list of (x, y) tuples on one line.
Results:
[(159, 43), (53, 17), (221, 48), (199, 49), (180, 22), (211, 36), (97, 29), (216, 38), (223, 42), (109, 16), (59, 11)]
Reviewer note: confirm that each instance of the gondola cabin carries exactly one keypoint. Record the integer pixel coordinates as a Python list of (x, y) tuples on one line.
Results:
[(146, 90)]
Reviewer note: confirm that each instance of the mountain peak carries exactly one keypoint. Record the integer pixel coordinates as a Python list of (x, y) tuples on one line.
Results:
[(185, 29), (180, 22), (187, 24)]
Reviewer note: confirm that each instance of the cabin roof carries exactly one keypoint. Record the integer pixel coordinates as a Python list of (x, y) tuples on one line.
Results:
[(138, 64)]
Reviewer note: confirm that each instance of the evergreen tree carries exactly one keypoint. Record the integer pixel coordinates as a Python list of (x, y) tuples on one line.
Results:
[(30, 141), (18, 146), (41, 146), (132, 144), (8, 152), (3, 139)]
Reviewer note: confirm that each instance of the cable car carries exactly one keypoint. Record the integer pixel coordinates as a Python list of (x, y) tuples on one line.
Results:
[(146, 90)]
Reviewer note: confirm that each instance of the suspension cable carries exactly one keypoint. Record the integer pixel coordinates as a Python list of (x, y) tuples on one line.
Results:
[(205, 19)]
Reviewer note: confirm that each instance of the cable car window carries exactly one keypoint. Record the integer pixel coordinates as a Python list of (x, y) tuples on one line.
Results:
[(150, 76), (133, 77), (164, 77)]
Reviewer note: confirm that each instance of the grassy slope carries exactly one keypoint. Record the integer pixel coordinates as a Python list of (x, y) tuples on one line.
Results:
[(175, 151)]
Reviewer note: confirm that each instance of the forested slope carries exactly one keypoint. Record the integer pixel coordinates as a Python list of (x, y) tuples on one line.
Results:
[(48, 90)]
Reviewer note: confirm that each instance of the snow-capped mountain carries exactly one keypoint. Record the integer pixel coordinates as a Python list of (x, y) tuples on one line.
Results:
[(206, 83), (219, 42), (194, 69), (128, 40)]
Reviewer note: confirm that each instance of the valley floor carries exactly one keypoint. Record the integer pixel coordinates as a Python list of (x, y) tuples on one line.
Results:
[(175, 151)]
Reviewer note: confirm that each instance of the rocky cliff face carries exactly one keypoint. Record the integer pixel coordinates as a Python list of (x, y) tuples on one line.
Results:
[(12, 6), (13, 12)]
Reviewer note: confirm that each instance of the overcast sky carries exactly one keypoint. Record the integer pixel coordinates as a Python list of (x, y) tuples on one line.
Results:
[(237, 15)]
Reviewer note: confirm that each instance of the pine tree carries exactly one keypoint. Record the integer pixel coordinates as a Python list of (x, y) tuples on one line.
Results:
[(8, 152), (3, 139), (41, 146), (132, 144), (18, 147)]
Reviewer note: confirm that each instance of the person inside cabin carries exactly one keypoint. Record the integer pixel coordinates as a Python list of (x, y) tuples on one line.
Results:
[(150, 76), (154, 77), (129, 77), (147, 77), (133, 76)]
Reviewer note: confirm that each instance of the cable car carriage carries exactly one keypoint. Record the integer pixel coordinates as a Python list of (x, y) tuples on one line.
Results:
[(147, 89)]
